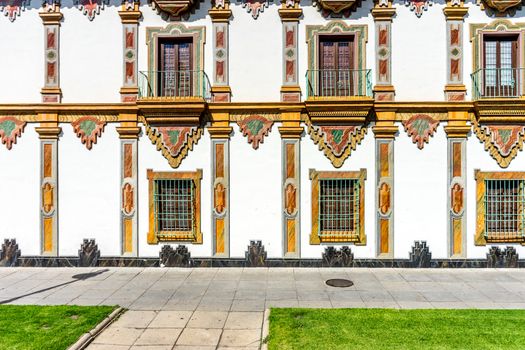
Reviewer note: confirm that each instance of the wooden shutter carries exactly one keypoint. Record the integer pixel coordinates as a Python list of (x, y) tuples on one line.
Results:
[(175, 67), (500, 65), (336, 65)]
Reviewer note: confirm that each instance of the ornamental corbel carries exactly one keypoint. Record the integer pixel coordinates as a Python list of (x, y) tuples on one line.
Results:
[(337, 8), (500, 8), (175, 9)]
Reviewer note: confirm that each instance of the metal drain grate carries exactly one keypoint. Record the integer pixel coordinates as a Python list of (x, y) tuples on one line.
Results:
[(339, 282)]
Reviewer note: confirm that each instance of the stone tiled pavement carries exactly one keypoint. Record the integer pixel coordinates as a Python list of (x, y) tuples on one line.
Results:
[(224, 308)]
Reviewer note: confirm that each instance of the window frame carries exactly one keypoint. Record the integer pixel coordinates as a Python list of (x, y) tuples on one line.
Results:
[(177, 40), (482, 237), (315, 177), (178, 236)]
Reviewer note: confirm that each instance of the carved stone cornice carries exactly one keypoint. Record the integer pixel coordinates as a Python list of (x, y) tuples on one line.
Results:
[(48, 132), (338, 110), (220, 132), (457, 131), (130, 16), (129, 132), (51, 14), (385, 131), (290, 10), (383, 13), (454, 13), (186, 111), (500, 110), (291, 132)]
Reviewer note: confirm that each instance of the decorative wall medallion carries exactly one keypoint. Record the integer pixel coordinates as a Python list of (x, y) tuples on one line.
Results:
[(10, 129), (255, 7), (91, 8), (47, 198), (418, 6), (9, 254), (337, 8), (500, 7), (174, 141), (456, 198), (88, 129), (255, 127), (178, 257), (88, 254), (128, 204), (290, 199), (420, 127), (255, 255), (502, 141), (219, 198), (12, 8), (337, 142), (384, 198)]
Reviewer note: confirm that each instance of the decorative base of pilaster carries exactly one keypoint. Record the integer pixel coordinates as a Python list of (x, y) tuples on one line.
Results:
[(455, 92), (221, 94), (129, 94), (290, 93), (384, 93), (51, 95)]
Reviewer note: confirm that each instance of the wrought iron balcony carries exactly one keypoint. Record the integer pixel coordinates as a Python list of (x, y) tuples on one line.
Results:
[(497, 83), (339, 83), (174, 84)]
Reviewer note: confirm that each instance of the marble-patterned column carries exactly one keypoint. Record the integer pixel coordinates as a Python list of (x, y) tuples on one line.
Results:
[(129, 133), (220, 14), (51, 17), (290, 13), (383, 12), (129, 15), (220, 169), (455, 11), (385, 132), (457, 131), (49, 132), (291, 133)]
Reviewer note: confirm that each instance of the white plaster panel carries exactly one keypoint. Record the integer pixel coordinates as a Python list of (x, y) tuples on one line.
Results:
[(19, 186), (150, 158), (89, 192), (420, 199), (22, 57), (255, 193), (477, 158), (313, 158)]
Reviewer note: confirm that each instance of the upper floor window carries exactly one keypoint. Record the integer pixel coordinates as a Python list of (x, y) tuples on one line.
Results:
[(501, 75), (176, 67), (336, 65)]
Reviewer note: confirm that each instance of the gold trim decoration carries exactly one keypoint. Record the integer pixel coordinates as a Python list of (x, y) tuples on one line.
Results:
[(10, 129), (174, 141), (501, 141), (336, 141), (88, 129), (420, 127), (71, 118)]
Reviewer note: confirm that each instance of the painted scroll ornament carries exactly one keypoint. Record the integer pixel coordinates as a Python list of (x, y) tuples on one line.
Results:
[(10, 129), (91, 8), (501, 141), (338, 141), (88, 129), (418, 6), (255, 128), (174, 141), (12, 8), (420, 127)]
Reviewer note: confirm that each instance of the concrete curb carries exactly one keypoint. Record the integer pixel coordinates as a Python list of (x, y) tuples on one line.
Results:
[(265, 329), (88, 337)]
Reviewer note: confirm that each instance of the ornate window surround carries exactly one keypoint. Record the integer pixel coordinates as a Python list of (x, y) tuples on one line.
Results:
[(196, 176), (480, 176), (315, 176)]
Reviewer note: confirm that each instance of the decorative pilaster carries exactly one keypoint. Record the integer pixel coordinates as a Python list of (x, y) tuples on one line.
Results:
[(129, 133), (383, 12), (290, 13), (455, 12), (220, 150), (457, 131), (49, 133), (51, 17), (220, 14), (385, 132), (129, 15), (291, 132)]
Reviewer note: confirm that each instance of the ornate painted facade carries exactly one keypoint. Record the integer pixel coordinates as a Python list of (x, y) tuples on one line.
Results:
[(301, 124)]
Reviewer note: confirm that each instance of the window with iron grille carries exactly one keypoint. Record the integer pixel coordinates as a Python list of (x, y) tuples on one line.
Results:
[(174, 206), (338, 206), (501, 207)]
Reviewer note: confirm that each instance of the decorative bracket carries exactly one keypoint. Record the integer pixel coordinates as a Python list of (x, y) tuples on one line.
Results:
[(175, 9), (420, 127), (10, 129), (418, 6), (88, 129), (255, 7), (91, 8), (12, 8), (255, 127), (337, 8)]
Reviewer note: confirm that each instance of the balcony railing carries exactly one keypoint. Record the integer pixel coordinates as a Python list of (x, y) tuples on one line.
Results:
[(498, 82), (339, 82), (173, 83)]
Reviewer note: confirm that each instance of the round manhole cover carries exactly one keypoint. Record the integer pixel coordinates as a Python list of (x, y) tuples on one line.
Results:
[(339, 282)]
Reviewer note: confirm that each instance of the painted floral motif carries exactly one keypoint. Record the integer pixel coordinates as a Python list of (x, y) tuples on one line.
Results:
[(91, 8), (255, 7), (12, 8), (418, 6), (88, 129), (337, 142), (255, 127), (502, 141), (420, 127), (10, 129), (219, 195)]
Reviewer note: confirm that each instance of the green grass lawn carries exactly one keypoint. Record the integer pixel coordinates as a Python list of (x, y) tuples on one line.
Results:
[(390, 329), (47, 327)]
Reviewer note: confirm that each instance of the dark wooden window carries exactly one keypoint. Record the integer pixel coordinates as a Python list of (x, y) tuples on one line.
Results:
[(175, 75), (501, 75), (336, 65)]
